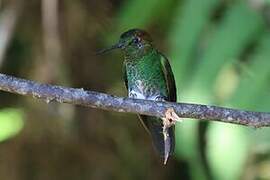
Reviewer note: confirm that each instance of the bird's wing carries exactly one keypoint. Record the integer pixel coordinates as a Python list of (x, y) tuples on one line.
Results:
[(167, 70), (168, 145), (124, 72)]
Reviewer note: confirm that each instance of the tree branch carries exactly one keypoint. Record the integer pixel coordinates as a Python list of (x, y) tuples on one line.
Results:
[(93, 99)]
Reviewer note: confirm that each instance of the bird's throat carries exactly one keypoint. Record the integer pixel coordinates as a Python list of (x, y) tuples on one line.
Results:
[(138, 53)]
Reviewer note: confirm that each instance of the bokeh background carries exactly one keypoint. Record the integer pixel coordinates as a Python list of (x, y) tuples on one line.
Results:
[(220, 54)]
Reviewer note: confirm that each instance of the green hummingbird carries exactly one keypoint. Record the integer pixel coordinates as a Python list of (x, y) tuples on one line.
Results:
[(148, 75)]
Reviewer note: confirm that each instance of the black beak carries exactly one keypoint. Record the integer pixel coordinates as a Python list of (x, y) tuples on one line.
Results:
[(116, 46)]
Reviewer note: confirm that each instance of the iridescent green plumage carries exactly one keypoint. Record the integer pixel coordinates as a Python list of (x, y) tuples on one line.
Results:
[(148, 75)]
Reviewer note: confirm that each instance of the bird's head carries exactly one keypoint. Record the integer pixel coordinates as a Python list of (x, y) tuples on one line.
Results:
[(132, 41)]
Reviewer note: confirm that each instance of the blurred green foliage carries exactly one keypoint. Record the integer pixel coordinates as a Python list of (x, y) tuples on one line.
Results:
[(11, 123), (201, 46), (219, 52)]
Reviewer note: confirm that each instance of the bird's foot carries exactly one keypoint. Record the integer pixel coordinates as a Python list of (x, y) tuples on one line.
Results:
[(170, 118), (132, 95)]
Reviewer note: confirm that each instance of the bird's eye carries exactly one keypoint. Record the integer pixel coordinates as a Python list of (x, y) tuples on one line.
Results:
[(135, 40)]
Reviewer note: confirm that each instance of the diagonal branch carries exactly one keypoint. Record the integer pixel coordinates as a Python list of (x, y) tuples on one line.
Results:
[(112, 103)]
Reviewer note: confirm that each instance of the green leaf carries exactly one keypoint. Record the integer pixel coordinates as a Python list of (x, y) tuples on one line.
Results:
[(227, 150), (11, 123), (239, 27), (189, 21), (255, 80), (139, 13)]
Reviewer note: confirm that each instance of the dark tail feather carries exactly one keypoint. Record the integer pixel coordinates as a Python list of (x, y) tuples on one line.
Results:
[(164, 145)]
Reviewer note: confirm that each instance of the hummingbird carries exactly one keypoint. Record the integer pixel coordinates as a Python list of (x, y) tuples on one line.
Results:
[(148, 75)]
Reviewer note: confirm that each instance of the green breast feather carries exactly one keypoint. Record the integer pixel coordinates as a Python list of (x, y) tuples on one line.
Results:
[(151, 75)]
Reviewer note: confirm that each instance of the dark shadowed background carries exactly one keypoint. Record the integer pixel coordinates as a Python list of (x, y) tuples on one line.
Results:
[(220, 54)]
